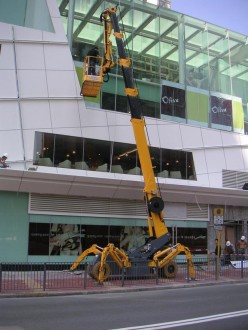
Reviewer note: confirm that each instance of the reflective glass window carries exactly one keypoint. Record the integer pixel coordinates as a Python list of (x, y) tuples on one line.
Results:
[(68, 150), (165, 46), (97, 154), (124, 158), (44, 149), (26, 13), (116, 157)]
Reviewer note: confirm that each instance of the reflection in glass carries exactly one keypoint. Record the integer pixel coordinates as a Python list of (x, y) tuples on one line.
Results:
[(164, 46), (63, 239), (44, 149), (124, 158), (68, 150), (97, 154), (104, 156), (26, 13)]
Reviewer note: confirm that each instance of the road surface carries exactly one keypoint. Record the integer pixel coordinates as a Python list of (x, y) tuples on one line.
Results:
[(219, 307)]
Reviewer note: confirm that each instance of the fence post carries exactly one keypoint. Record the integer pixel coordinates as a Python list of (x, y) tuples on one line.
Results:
[(215, 265), (188, 279), (0, 277), (122, 274), (44, 277), (242, 265), (85, 275), (157, 270)]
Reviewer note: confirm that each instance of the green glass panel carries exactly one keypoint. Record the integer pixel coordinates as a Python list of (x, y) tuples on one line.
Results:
[(13, 227), (197, 107), (238, 117)]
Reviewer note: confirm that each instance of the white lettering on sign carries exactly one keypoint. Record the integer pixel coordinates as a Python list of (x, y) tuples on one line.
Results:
[(169, 100), (216, 109)]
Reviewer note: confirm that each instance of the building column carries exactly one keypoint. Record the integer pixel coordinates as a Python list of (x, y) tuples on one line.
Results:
[(181, 50), (70, 22)]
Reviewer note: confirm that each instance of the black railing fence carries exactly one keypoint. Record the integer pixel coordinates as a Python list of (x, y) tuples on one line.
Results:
[(57, 276)]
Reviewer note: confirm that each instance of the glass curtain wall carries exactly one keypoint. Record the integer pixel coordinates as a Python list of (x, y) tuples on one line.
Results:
[(219, 64), (174, 56), (239, 79), (26, 13), (196, 54)]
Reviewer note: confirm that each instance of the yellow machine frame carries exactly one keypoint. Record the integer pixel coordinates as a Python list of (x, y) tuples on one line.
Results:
[(92, 84), (157, 253)]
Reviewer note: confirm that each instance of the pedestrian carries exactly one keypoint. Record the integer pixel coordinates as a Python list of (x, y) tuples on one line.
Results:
[(241, 245), (3, 160), (228, 251), (93, 60)]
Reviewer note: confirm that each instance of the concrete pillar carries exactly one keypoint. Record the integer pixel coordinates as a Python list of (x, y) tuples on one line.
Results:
[(70, 23)]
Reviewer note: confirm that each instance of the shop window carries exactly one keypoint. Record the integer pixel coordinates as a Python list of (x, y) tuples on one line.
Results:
[(156, 159), (194, 238), (68, 150), (70, 239), (178, 164), (91, 154), (124, 157), (97, 154), (44, 149)]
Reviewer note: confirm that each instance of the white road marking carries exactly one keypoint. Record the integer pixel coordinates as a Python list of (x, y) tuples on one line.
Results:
[(180, 323)]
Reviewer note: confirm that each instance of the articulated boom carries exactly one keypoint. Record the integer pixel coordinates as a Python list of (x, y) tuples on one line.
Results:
[(154, 202), (156, 251)]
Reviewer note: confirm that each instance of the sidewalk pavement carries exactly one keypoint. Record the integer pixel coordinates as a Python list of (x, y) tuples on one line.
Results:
[(101, 289)]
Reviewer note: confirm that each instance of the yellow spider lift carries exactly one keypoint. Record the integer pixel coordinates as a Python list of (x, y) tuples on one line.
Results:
[(156, 252)]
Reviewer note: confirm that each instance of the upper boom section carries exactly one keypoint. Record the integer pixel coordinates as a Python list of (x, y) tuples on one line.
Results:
[(109, 19)]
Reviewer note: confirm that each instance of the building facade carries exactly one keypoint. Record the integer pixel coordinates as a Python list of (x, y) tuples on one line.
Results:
[(74, 176)]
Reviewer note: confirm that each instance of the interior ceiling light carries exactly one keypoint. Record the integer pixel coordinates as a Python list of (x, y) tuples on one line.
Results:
[(127, 152)]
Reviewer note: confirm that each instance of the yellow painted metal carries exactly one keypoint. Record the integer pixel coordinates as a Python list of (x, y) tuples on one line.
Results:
[(131, 92), (92, 84), (108, 50), (116, 254), (126, 62), (91, 88), (162, 258), (156, 224), (118, 35), (93, 249), (150, 188)]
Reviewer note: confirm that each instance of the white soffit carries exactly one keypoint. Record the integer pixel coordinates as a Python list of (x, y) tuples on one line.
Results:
[(111, 187)]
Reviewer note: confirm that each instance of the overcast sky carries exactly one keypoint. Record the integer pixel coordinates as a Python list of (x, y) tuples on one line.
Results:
[(230, 14)]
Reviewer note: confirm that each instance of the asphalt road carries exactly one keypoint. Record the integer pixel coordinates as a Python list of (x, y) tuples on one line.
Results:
[(217, 307)]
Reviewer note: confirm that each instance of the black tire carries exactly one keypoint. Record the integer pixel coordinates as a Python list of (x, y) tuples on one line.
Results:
[(170, 270), (88, 270), (95, 271)]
